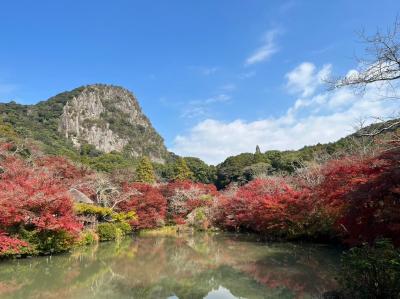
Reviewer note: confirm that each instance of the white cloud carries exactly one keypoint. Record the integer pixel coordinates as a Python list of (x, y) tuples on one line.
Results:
[(314, 117), (264, 52), (304, 79)]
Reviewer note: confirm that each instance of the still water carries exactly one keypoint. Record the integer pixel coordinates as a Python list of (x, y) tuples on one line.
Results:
[(212, 266)]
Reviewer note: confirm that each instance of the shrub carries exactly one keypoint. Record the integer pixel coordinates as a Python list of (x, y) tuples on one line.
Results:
[(62, 169), (87, 237), (123, 219), (185, 196), (362, 196), (371, 272), (124, 227), (10, 246), (199, 218), (148, 203), (49, 241), (268, 206), (108, 232), (32, 198), (90, 209)]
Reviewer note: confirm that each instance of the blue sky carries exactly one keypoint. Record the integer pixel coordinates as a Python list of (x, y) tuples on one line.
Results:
[(215, 77)]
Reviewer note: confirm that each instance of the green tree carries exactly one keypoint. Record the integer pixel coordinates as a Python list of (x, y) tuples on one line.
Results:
[(254, 171), (202, 172), (145, 171), (258, 156), (182, 171)]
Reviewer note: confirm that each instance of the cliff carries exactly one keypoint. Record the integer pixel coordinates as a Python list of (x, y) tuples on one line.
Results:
[(105, 116)]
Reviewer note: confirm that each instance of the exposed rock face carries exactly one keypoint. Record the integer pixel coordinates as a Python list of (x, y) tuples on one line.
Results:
[(111, 119), (78, 196)]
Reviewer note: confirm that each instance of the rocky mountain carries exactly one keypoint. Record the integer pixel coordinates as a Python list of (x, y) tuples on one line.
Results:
[(104, 116)]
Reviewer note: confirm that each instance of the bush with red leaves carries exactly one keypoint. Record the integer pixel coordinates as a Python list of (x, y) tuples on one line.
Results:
[(185, 196), (62, 170), (268, 206), (149, 205), (32, 198), (11, 246), (364, 193)]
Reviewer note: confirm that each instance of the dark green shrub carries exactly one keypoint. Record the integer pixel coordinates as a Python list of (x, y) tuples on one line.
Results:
[(108, 231), (49, 241), (371, 271)]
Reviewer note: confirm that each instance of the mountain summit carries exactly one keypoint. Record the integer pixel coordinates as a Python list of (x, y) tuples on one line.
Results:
[(104, 116)]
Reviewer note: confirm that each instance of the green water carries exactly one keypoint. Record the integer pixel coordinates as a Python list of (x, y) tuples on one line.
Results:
[(208, 266)]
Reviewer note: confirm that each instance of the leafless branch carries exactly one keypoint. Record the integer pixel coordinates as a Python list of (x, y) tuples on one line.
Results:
[(382, 62)]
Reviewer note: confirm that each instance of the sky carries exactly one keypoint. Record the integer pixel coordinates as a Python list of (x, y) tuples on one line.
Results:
[(216, 78)]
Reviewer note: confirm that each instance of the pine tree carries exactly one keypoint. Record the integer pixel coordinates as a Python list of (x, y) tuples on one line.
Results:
[(182, 171), (145, 171)]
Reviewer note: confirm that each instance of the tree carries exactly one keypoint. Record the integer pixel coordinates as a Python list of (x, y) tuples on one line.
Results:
[(268, 206), (202, 172), (381, 65), (145, 171), (34, 203), (231, 169), (257, 170), (148, 203), (361, 195), (185, 196), (382, 62), (182, 171)]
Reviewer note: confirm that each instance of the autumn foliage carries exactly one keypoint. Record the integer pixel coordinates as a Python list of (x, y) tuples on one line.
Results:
[(365, 193), (34, 200), (11, 246), (185, 196), (268, 206), (352, 199), (149, 204)]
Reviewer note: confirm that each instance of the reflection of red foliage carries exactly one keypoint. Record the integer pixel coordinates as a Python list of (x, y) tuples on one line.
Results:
[(150, 205), (9, 287), (301, 283), (33, 197)]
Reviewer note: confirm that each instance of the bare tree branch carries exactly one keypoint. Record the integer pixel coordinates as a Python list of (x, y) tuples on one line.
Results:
[(382, 62)]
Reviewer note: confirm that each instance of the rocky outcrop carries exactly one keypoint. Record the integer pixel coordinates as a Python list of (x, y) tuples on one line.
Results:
[(79, 197), (110, 118)]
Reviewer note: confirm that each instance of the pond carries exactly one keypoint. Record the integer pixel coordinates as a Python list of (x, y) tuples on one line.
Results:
[(212, 266)]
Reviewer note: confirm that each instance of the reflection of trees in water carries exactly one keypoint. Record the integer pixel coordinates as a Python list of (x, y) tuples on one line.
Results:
[(187, 266), (61, 276)]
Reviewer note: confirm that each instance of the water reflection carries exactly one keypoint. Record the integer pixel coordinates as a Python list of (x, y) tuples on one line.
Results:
[(193, 266)]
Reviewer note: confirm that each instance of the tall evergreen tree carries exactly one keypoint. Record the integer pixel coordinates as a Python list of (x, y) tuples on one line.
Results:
[(182, 171), (145, 171)]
